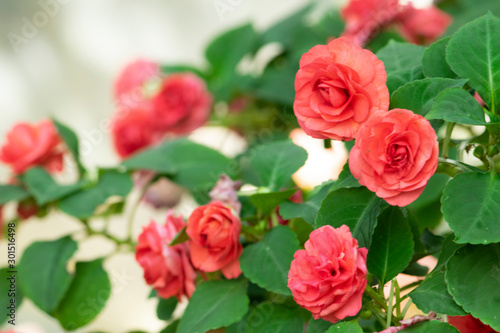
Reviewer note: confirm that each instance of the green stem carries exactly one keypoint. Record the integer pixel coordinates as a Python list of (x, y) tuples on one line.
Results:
[(406, 308), (397, 292), (447, 139), (449, 167), (376, 297), (133, 211), (389, 310), (411, 285)]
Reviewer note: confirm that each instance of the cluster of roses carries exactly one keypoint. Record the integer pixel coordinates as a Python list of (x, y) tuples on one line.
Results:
[(153, 106), (365, 18), (213, 245)]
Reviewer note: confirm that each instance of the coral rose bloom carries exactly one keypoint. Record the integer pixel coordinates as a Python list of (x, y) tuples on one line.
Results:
[(328, 278), (338, 87), (214, 232), (31, 145), (182, 103), (166, 268), (423, 26), (395, 154)]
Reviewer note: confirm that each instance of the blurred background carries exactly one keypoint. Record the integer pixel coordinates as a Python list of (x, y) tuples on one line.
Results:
[(59, 58)]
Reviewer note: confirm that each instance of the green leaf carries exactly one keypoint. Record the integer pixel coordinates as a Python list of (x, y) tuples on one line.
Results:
[(188, 164), (433, 295), (345, 327), (434, 62), (308, 209), (45, 189), (471, 206), (268, 317), (434, 326), (458, 106), (215, 304), (357, 208), (464, 11), (277, 84), (280, 32), (12, 193), (171, 328), (266, 202), (8, 294), (42, 272), (392, 245), (166, 308), (419, 96), (168, 69), (86, 297), (71, 140), (345, 180), (83, 204), (473, 54), (472, 274), (274, 255), (400, 78), (180, 238), (448, 248), (318, 326), (276, 162), (400, 56)]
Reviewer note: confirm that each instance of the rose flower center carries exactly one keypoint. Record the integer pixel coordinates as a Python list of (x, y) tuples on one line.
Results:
[(397, 155)]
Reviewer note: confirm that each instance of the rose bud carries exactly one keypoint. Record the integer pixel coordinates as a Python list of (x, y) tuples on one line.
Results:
[(166, 268), (395, 154), (225, 192), (182, 103), (328, 278), (214, 232), (338, 87), (30, 145), (129, 85), (423, 26)]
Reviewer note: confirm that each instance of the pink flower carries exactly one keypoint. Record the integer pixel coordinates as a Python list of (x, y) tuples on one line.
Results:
[(328, 278), (214, 232), (166, 268), (31, 145), (395, 154), (182, 103), (133, 130), (338, 87), (129, 85), (423, 26), (469, 324)]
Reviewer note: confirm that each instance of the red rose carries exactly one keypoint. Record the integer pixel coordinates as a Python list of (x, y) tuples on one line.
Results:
[(166, 268), (214, 232), (328, 278), (182, 103), (423, 26), (133, 130), (395, 154), (129, 85), (338, 87), (31, 145), (469, 324)]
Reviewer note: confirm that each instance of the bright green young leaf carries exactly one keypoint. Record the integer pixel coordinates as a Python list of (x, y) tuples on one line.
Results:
[(419, 96), (84, 203), (473, 53), (399, 56), (273, 255), (472, 274), (434, 326), (215, 304), (458, 106), (308, 209), (86, 297), (12, 193), (392, 245), (266, 202), (400, 78), (10, 297), (471, 206), (269, 317), (275, 163), (45, 189), (42, 272), (166, 308), (434, 61), (189, 164), (345, 327), (71, 140), (357, 208), (318, 326), (433, 295)]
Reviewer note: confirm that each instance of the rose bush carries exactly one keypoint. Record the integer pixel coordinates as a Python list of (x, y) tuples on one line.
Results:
[(395, 154), (338, 87), (328, 278)]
